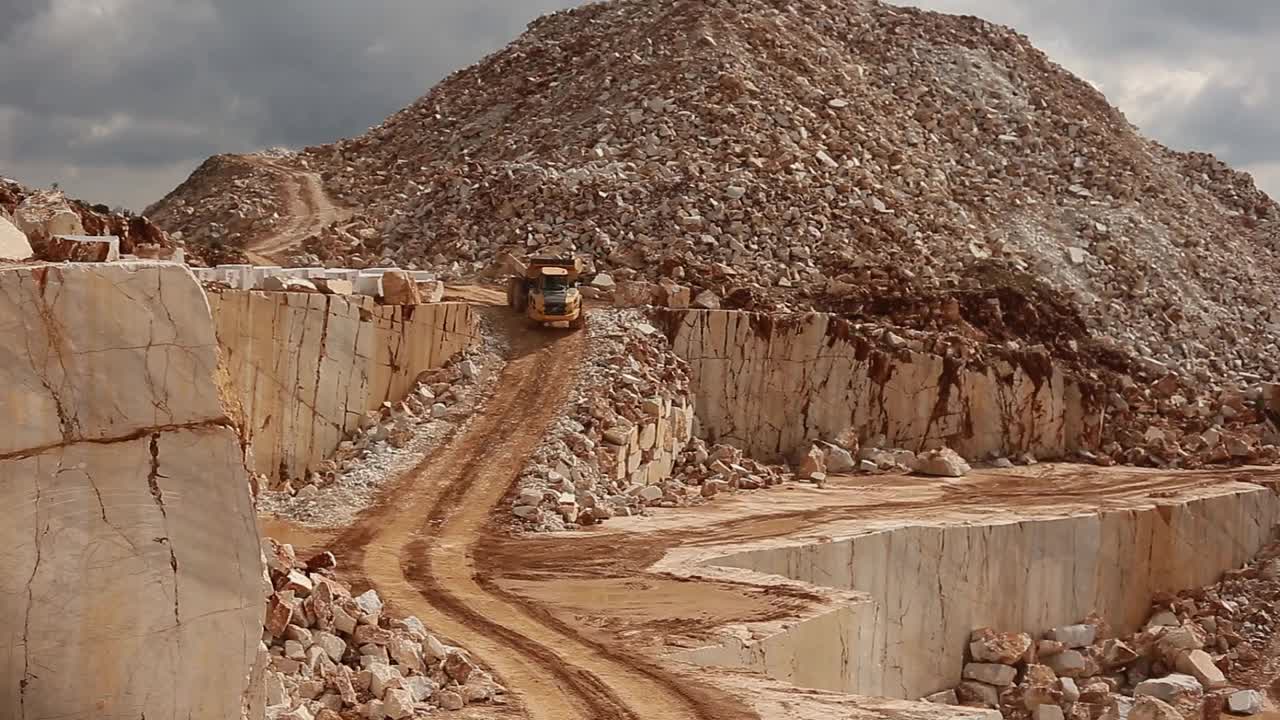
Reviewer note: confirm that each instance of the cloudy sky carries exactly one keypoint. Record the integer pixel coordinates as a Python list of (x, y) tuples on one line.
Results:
[(118, 100)]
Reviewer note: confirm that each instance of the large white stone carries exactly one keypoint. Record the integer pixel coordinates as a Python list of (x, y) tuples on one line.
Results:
[(1245, 702), (1170, 688), (1199, 664), (990, 673), (45, 214), (130, 570), (942, 463), (1073, 636), (13, 242)]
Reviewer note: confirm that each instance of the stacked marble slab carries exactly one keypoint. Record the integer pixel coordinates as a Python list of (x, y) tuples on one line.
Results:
[(250, 277)]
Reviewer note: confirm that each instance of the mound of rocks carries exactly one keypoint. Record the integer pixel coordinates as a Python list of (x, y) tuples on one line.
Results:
[(227, 201), (881, 148), (628, 441), (712, 470), (332, 655), (41, 215), (1194, 658), (613, 451)]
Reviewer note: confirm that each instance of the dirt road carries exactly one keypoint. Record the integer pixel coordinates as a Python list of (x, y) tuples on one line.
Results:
[(309, 210), (420, 550)]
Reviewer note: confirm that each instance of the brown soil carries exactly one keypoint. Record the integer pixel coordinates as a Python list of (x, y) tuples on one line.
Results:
[(309, 210), (476, 295)]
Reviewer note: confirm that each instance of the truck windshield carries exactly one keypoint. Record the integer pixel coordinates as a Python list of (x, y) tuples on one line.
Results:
[(555, 282)]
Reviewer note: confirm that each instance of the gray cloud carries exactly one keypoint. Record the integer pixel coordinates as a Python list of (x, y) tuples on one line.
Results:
[(1195, 75), (146, 89), (119, 99)]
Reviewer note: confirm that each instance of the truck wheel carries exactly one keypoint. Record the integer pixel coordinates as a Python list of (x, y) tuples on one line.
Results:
[(579, 322)]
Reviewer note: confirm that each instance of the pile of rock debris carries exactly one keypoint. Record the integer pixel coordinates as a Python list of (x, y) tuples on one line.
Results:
[(41, 215), (332, 655), (919, 170), (227, 202), (391, 440), (626, 441), (1196, 657), (880, 150)]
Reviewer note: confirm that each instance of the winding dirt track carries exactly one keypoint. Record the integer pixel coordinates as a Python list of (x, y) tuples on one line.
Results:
[(310, 210), (423, 548)]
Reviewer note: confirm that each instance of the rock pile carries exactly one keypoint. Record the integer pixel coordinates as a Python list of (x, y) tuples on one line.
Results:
[(42, 214), (355, 241), (227, 202), (878, 146), (718, 468), (627, 442), (1195, 655), (919, 170), (332, 655), (1159, 420), (604, 456)]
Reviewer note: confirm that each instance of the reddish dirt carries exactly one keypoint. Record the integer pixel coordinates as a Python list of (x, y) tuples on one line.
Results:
[(493, 296)]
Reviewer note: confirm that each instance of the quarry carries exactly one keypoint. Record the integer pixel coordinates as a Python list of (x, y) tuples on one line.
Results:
[(942, 408)]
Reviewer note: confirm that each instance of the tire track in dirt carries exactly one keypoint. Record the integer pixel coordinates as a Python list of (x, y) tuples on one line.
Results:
[(309, 208), (423, 549)]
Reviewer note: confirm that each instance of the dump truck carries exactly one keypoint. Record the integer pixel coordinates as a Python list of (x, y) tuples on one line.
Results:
[(546, 288)]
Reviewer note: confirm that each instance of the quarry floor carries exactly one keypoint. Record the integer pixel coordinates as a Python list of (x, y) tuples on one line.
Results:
[(587, 625), (583, 625)]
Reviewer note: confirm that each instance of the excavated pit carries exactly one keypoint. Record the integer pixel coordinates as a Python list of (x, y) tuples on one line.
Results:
[(905, 582)]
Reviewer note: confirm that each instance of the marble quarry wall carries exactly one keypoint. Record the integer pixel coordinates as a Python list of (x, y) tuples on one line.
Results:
[(305, 367), (769, 386), (130, 571), (920, 590)]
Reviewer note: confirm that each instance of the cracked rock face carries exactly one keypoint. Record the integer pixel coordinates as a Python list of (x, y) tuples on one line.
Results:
[(770, 384), (103, 353), (130, 562), (307, 368)]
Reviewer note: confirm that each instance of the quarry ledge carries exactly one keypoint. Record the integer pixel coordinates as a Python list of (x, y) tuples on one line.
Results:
[(907, 572)]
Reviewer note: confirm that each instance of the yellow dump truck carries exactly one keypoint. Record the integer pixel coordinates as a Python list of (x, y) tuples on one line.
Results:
[(546, 289)]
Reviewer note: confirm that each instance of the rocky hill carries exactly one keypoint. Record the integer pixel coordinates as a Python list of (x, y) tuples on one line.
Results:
[(888, 163), (226, 202)]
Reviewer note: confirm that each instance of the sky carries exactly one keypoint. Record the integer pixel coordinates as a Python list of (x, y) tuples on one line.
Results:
[(119, 100)]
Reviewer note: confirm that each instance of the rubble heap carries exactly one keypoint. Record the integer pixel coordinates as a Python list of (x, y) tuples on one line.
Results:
[(1198, 654), (803, 154), (626, 441), (228, 201), (41, 214), (334, 655), (912, 169)]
